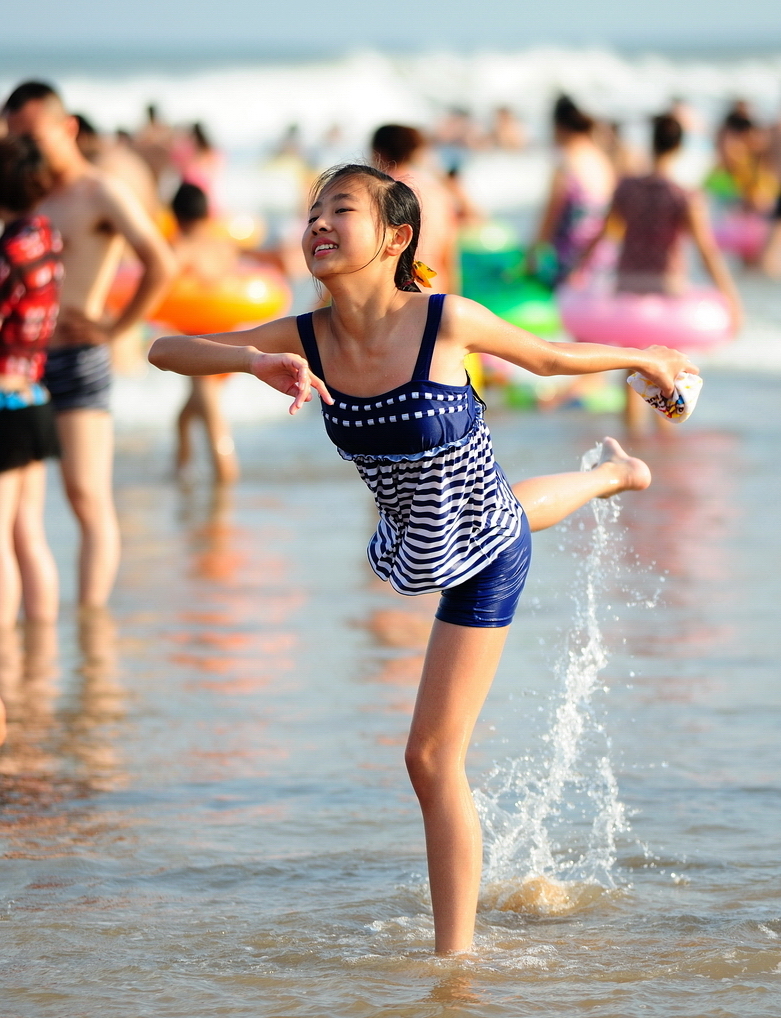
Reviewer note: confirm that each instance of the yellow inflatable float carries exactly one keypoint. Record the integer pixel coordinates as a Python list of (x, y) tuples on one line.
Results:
[(249, 296)]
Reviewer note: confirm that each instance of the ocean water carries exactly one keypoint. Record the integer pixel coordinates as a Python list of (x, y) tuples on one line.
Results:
[(204, 805), (247, 105)]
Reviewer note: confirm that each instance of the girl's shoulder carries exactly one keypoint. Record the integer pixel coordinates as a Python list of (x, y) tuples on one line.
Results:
[(461, 317)]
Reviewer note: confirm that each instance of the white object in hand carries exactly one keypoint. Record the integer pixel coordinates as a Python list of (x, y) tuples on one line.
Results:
[(677, 407)]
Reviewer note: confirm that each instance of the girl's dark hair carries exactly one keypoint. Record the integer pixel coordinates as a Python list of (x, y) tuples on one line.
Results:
[(25, 177), (396, 204), (569, 117), (667, 134)]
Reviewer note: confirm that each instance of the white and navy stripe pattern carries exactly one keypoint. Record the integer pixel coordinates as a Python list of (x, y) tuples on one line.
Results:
[(423, 449), (443, 516)]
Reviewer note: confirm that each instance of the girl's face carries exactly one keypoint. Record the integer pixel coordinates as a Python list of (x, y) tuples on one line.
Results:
[(343, 234)]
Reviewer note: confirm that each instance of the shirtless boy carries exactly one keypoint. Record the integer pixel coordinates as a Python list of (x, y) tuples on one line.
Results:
[(95, 214)]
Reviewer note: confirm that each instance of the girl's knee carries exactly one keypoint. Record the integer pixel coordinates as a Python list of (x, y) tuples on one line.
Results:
[(428, 765)]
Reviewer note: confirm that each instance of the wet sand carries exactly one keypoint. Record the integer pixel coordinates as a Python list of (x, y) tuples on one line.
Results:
[(204, 807)]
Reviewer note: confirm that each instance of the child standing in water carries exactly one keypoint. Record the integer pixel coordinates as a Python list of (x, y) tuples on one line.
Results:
[(405, 413), (30, 276), (208, 257)]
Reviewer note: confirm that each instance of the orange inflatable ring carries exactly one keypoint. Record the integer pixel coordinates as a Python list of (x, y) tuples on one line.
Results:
[(247, 297)]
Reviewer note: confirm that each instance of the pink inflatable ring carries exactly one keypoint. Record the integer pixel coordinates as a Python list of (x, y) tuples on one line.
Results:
[(696, 320), (742, 233)]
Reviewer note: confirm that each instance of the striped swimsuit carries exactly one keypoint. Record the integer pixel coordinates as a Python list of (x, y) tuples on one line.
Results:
[(447, 513)]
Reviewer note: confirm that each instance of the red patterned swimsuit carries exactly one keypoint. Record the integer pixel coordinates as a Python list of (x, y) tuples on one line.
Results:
[(30, 276)]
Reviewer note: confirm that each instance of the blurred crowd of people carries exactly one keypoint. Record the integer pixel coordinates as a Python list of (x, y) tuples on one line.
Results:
[(76, 203)]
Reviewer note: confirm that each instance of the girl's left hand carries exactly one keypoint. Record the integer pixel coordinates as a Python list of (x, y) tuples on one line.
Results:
[(290, 374), (664, 365)]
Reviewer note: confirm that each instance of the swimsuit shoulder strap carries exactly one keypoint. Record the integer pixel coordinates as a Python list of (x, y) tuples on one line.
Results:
[(433, 319), (306, 333)]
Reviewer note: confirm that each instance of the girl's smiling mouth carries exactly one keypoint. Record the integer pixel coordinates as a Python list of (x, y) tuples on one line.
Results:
[(322, 247)]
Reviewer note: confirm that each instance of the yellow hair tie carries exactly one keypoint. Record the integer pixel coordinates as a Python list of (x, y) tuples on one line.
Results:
[(421, 273)]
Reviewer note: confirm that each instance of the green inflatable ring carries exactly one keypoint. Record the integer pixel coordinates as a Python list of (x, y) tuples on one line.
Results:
[(491, 274)]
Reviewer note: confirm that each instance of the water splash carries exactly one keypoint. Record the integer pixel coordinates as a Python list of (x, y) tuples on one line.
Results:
[(552, 823)]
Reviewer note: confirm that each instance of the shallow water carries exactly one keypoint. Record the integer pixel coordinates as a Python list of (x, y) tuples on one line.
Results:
[(205, 810)]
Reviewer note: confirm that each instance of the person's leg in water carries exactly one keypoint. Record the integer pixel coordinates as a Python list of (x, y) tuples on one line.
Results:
[(458, 671), (40, 589), (10, 577), (87, 440), (204, 403), (189, 412)]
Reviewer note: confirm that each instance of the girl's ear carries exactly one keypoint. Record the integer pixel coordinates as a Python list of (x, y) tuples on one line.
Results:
[(400, 239)]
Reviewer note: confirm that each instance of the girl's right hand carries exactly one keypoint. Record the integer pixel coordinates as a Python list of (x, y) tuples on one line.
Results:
[(663, 365), (290, 374)]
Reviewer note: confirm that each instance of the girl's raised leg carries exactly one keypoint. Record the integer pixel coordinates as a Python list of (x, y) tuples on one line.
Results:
[(548, 500), (459, 668)]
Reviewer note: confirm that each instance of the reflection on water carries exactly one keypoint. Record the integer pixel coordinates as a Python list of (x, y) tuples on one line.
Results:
[(28, 672), (204, 804), (96, 706), (61, 746)]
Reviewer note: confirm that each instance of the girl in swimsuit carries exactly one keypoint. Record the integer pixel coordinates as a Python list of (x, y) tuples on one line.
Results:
[(403, 410)]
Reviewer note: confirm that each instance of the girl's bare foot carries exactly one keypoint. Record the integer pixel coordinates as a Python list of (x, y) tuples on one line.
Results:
[(622, 472)]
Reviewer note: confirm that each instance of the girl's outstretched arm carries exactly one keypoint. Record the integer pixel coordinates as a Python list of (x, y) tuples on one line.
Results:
[(475, 329), (271, 352)]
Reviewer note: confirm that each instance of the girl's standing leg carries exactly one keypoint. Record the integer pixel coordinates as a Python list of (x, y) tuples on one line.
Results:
[(36, 562), (550, 499), (457, 674)]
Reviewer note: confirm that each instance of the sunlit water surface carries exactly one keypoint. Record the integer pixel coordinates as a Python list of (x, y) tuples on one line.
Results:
[(204, 805)]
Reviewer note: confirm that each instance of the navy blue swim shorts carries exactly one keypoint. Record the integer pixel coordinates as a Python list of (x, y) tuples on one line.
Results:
[(488, 600)]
